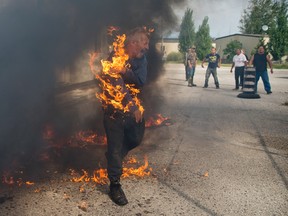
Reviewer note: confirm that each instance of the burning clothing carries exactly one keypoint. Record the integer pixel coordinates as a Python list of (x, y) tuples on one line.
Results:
[(122, 131)]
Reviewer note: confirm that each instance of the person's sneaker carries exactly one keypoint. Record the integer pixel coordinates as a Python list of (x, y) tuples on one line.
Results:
[(194, 84), (217, 87), (205, 86), (189, 85), (269, 92), (117, 195)]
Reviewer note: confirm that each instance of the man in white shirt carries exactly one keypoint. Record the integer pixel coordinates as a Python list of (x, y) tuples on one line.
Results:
[(239, 61)]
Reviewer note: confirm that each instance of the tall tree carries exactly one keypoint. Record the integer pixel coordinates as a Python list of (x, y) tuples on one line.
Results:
[(203, 40), (187, 31), (258, 13), (231, 48), (278, 44)]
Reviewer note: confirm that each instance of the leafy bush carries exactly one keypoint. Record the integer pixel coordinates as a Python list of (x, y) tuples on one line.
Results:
[(175, 56)]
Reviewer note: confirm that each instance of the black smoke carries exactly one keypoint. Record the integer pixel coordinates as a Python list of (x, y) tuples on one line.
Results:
[(39, 38)]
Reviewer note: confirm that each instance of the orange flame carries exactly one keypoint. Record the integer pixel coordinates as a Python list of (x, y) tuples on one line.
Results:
[(100, 176), (159, 120), (90, 137), (141, 171), (111, 94)]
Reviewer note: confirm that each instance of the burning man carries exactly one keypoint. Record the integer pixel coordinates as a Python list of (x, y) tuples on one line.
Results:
[(125, 129)]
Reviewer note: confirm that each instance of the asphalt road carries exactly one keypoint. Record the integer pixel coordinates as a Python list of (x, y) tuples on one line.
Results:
[(221, 155)]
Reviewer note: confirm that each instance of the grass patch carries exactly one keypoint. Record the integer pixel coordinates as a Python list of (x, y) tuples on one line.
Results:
[(280, 66)]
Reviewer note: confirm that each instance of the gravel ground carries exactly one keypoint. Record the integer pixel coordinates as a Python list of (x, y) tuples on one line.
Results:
[(221, 155)]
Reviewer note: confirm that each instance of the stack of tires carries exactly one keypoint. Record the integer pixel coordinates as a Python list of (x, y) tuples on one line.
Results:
[(249, 84)]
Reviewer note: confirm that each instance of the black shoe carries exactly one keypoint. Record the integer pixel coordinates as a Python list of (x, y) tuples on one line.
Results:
[(269, 92), (194, 84), (217, 87), (205, 86), (116, 194)]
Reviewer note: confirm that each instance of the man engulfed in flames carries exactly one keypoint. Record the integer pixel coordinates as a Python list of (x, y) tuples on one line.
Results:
[(123, 114)]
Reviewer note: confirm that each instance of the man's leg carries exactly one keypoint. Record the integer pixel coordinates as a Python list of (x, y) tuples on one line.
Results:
[(189, 76), (237, 75), (192, 76), (133, 134), (257, 76), (242, 76), (114, 129), (214, 73), (207, 75), (266, 82)]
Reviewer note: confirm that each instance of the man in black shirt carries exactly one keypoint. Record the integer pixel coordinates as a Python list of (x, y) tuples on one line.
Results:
[(260, 60), (214, 61)]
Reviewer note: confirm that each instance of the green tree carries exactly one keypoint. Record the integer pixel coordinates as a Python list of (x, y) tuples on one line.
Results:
[(187, 31), (203, 40), (278, 43), (261, 42), (258, 13), (231, 48)]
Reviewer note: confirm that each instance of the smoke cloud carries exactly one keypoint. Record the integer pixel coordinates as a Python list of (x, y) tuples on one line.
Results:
[(39, 38)]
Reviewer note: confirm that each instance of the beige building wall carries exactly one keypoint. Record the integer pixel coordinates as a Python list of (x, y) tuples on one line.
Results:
[(166, 46), (249, 42)]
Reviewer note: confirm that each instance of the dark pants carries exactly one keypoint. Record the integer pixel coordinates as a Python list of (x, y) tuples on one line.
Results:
[(239, 73), (123, 134)]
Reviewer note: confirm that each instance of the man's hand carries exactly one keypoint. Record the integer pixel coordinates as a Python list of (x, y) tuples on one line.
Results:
[(231, 71), (271, 70), (138, 116), (202, 65)]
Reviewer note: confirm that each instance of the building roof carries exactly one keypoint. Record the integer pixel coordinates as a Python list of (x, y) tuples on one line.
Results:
[(244, 35), (170, 40)]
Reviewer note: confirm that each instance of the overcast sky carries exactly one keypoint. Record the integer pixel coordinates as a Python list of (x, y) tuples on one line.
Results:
[(224, 15)]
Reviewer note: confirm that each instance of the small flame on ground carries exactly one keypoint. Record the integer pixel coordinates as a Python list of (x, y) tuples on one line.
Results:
[(100, 176), (90, 137), (9, 180), (159, 120)]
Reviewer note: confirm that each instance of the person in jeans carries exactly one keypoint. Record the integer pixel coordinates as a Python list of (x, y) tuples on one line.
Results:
[(192, 62), (186, 63), (259, 61), (239, 61), (214, 61)]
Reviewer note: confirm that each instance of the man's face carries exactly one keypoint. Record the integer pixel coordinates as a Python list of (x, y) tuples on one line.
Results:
[(238, 51), (137, 48), (213, 50), (261, 50)]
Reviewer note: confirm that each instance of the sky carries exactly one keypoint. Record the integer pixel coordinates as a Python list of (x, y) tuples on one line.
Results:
[(224, 15)]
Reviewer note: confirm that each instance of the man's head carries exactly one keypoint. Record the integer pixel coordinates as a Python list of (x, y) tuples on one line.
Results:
[(193, 48), (213, 50), (137, 42), (238, 51), (261, 50)]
